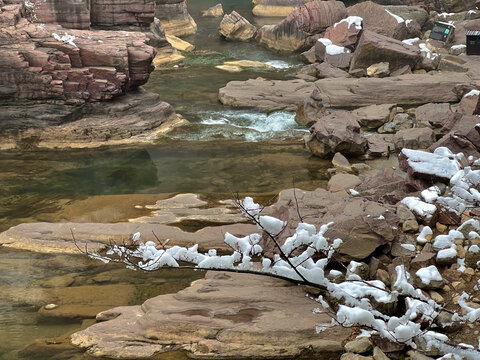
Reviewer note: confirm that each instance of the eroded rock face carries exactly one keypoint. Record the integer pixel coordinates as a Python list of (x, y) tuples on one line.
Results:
[(236, 27), (376, 48), (266, 94), (175, 17), (50, 62), (403, 90), (377, 19), (336, 132), (217, 317), (294, 32)]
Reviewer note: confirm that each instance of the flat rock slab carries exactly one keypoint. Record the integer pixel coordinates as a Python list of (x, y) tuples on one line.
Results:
[(224, 316), (188, 208), (410, 89), (266, 94), (57, 237)]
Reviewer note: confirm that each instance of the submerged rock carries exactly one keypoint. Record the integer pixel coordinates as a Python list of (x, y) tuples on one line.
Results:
[(217, 317)]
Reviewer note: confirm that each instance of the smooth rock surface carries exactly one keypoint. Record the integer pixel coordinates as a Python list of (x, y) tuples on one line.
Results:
[(236, 27), (217, 318)]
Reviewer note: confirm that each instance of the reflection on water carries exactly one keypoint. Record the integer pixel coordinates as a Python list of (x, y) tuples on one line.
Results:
[(38, 183)]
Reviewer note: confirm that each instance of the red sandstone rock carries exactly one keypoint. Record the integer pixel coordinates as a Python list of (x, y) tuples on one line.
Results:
[(292, 33), (77, 65), (377, 19), (343, 35)]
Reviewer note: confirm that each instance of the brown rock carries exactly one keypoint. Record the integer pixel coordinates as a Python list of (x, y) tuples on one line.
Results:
[(374, 116), (343, 35), (214, 11), (465, 126), (357, 221), (375, 48), (217, 317), (377, 146), (236, 27), (336, 132), (293, 33), (266, 94), (435, 114), (415, 138), (456, 143), (384, 186), (376, 19), (345, 181), (405, 90)]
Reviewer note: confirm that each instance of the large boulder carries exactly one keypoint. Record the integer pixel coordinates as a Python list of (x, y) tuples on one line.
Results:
[(377, 19), (175, 17), (345, 33), (375, 48), (457, 143), (466, 126), (435, 115), (363, 225), (236, 27), (266, 94), (336, 132), (415, 138), (374, 116), (225, 315), (407, 89), (274, 8), (295, 31)]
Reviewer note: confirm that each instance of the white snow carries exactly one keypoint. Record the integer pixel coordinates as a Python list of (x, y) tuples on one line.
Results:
[(408, 247), (411, 41), (421, 237), (272, 225), (429, 274), (332, 49), (396, 17), (442, 162), (419, 207), (67, 39), (447, 254), (445, 14), (351, 20), (471, 12), (353, 192), (430, 194), (423, 48), (472, 93), (458, 47)]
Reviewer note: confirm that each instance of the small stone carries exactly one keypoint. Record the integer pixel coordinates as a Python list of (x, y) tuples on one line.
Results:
[(50, 306), (415, 355), (360, 269), (378, 354), (461, 252), (352, 356), (214, 11), (436, 297), (458, 285), (359, 346), (469, 271), (383, 276), (410, 225), (440, 227), (379, 70)]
